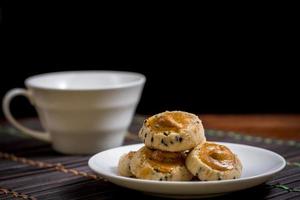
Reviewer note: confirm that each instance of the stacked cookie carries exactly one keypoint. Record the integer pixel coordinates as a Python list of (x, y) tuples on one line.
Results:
[(176, 150)]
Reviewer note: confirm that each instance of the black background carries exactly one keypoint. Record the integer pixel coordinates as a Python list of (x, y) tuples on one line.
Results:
[(194, 59)]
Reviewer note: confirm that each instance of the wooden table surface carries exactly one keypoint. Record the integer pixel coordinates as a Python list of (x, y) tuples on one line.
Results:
[(281, 126)]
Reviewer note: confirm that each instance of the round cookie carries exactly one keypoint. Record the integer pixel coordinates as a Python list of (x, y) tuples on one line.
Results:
[(124, 164), (172, 131), (159, 165), (210, 161)]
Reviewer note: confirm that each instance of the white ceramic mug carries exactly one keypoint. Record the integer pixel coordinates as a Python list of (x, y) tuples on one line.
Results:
[(82, 111)]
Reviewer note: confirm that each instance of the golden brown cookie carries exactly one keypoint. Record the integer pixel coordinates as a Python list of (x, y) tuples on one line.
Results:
[(159, 165), (172, 131), (211, 161), (124, 164)]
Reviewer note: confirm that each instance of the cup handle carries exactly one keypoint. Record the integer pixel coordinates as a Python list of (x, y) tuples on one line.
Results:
[(6, 109)]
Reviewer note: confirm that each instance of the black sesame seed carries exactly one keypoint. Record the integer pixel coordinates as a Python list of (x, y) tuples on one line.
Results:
[(196, 174), (145, 135), (180, 139), (171, 142), (219, 179), (160, 179), (166, 134), (166, 178), (234, 177), (163, 142), (155, 169), (152, 139), (177, 138)]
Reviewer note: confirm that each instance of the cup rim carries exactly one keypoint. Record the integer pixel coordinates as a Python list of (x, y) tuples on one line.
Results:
[(141, 80)]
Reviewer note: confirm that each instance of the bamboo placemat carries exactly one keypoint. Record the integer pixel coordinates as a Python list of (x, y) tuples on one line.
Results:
[(30, 169)]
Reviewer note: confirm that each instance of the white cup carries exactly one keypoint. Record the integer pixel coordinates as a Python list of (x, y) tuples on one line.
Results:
[(82, 111)]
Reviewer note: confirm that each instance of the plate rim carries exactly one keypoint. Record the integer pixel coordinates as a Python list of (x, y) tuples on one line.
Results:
[(239, 180)]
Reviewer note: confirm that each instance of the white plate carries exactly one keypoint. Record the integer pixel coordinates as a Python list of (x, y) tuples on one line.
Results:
[(258, 166)]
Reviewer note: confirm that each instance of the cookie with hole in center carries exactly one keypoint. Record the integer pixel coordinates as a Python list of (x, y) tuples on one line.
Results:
[(159, 165), (210, 161), (172, 131)]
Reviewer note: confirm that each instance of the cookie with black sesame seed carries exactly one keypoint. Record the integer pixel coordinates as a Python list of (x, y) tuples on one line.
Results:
[(172, 131), (124, 164), (159, 165), (210, 161)]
